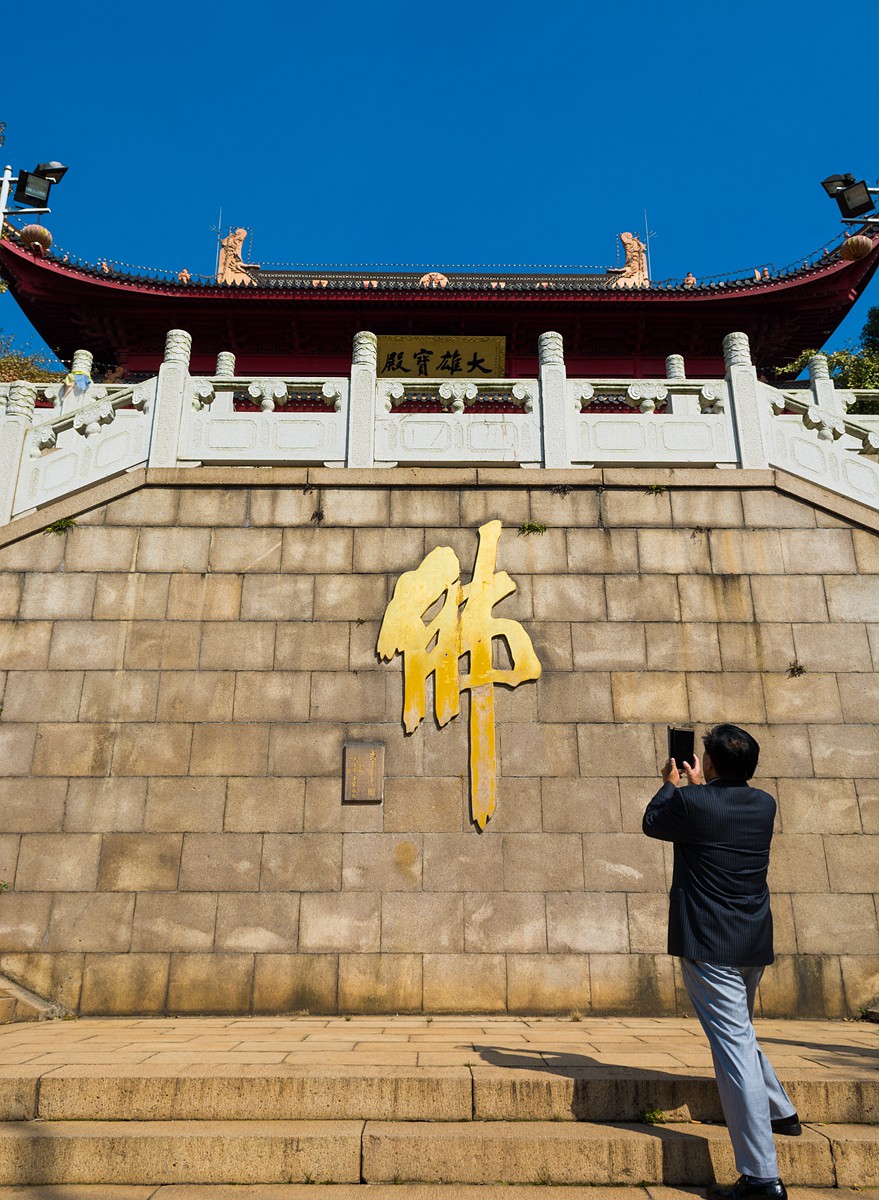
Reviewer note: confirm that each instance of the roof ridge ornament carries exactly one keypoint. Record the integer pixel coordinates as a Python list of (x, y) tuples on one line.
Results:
[(233, 269), (634, 274)]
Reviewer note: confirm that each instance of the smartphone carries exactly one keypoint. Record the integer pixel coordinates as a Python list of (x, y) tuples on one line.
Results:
[(681, 745)]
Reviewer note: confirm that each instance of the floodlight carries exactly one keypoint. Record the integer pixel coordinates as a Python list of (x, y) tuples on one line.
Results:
[(53, 171), (32, 190), (854, 200), (835, 183)]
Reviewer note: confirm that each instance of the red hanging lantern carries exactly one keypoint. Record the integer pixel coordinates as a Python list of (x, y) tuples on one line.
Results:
[(855, 248), (36, 235)]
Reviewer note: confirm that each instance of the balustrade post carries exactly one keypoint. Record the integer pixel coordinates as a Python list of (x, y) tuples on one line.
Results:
[(674, 367), (225, 400), (823, 389), (362, 401), (750, 413), (681, 404), (170, 392), (82, 363), (14, 429), (559, 436)]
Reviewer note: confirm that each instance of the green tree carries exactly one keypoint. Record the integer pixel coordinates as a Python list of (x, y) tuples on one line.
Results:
[(870, 332), (22, 363)]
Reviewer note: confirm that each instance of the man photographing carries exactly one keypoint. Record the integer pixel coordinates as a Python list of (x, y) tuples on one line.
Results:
[(720, 925)]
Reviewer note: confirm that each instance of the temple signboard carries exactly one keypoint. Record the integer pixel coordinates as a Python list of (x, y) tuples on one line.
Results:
[(441, 357)]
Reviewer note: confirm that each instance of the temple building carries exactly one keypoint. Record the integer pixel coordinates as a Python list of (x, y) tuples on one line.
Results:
[(343, 618)]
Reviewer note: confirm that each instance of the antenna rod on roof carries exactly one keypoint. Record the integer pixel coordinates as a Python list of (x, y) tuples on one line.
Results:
[(648, 234), (218, 230)]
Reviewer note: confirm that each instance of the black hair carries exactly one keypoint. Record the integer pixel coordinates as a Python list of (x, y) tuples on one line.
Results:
[(733, 751)]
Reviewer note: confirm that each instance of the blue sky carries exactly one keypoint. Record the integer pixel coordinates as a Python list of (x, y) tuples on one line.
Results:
[(464, 133)]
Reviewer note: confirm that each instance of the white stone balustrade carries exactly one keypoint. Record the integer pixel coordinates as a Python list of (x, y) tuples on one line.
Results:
[(815, 442), (107, 434), (549, 421)]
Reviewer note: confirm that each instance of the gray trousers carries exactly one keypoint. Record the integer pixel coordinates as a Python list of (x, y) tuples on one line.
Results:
[(750, 1092)]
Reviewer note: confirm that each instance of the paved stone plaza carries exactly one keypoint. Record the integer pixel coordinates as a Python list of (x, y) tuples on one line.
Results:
[(673, 1044)]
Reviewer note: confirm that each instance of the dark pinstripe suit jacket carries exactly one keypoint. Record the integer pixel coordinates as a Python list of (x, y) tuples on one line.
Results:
[(719, 901)]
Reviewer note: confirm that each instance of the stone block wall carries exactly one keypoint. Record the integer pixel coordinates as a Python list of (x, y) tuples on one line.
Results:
[(180, 669)]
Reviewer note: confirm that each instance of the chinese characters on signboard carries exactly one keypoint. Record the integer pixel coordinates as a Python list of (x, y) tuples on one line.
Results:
[(441, 357), (464, 625)]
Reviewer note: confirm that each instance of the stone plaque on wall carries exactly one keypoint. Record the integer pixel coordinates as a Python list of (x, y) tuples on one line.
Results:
[(364, 770)]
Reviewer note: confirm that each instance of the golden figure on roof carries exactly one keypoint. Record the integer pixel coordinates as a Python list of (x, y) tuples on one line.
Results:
[(634, 274), (233, 269)]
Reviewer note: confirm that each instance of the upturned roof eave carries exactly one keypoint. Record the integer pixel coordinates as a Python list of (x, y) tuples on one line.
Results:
[(33, 274)]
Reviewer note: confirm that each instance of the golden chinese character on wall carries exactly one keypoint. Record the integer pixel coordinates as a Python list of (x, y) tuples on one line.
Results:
[(464, 625), (441, 357)]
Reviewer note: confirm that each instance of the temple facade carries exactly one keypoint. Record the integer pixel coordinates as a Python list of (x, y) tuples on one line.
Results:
[(343, 686), (297, 321)]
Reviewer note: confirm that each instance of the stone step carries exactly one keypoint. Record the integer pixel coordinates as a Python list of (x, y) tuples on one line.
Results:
[(586, 1153), (154, 1152), (624, 1094), (143, 1153), (356, 1191), (236, 1092), (233, 1092)]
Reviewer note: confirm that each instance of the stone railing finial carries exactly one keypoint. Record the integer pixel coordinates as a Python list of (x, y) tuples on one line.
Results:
[(829, 428), (178, 347), (21, 400), (88, 420), (82, 363), (226, 365), (551, 350), (365, 349), (818, 368), (268, 393), (736, 350), (674, 367), (644, 395)]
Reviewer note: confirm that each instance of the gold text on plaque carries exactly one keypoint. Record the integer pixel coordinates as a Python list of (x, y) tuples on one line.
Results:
[(441, 357), (463, 625)]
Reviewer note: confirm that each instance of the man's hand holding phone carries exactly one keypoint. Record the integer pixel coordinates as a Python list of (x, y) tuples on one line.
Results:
[(693, 772), (682, 749)]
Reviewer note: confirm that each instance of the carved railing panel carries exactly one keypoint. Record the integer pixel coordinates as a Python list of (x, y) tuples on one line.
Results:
[(457, 421), (817, 443), (105, 436), (264, 420), (650, 422)]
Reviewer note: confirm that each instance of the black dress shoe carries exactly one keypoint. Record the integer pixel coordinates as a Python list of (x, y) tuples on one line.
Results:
[(742, 1190), (790, 1126)]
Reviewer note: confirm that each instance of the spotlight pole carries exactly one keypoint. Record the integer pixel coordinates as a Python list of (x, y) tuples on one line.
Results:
[(5, 187)]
